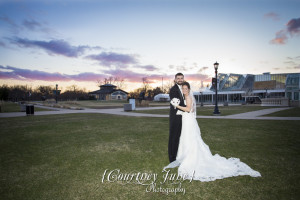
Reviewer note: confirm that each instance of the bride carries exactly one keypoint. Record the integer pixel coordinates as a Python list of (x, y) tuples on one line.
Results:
[(194, 159)]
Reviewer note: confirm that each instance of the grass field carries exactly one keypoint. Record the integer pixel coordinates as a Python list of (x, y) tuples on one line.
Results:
[(100, 104), (65, 156), (208, 110), (293, 112), (14, 107)]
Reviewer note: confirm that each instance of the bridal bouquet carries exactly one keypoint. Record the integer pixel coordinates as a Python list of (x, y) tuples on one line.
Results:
[(175, 102)]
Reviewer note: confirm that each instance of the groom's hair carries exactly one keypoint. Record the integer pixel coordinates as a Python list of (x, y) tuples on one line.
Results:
[(179, 74)]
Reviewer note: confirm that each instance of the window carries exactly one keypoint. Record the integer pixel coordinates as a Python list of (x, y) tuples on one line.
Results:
[(296, 95)]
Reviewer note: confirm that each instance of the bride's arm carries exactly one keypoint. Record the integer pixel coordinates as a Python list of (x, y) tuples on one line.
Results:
[(188, 105)]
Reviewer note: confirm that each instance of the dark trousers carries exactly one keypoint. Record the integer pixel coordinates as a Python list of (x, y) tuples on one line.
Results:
[(174, 136)]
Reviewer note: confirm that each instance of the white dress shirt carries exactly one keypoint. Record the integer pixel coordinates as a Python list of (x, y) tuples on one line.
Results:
[(180, 88)]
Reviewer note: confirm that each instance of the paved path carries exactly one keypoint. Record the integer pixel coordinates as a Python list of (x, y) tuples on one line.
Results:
[(119, 111)]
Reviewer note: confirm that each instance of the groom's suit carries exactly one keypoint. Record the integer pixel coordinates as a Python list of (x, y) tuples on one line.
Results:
[(175, 123)]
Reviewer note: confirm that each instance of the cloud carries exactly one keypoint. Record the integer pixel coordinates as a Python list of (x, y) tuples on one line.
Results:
[(297, 67), (57, 47), (197, 77), (14, 27), (132, 76), (272, 15), (148, 67), (31, 24), (292, 28), (280, 37), (111, 58), (293, 62), (15, 73), (2, 44), (9, 72), (202, 69)]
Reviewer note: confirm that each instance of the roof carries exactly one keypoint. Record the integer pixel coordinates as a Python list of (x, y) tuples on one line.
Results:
[(107, 91), (108, 85)]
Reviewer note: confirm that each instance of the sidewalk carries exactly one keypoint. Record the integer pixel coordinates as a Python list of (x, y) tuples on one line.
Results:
[(120, 111)]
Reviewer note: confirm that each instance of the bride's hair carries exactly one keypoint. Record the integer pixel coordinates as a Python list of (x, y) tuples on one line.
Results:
[(187, 84), (191, 95)]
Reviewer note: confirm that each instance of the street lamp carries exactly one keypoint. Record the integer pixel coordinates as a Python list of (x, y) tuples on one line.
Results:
[(201, 98), (216, 111), (56, 93)]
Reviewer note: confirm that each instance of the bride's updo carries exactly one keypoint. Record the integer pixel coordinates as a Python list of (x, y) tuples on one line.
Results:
[(187, 84)]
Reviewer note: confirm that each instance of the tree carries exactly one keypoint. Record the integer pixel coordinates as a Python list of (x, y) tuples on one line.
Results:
[(73, 88), (136, 93), (4, 92), (44, 92), (168, 86), (114, 80), (119, 82), (157, 91), (146, 83), (18, 92)]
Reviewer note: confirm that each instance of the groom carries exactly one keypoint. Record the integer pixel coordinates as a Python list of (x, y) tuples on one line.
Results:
[(175, 120)]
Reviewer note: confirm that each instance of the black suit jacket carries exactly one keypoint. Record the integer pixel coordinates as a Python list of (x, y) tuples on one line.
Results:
[(175, 123), (175, 93)]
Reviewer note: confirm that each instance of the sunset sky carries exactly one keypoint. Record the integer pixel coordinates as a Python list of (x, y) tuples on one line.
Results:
[(81, 41)]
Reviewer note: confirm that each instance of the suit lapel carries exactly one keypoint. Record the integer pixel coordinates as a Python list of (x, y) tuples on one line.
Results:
[(180, 94)]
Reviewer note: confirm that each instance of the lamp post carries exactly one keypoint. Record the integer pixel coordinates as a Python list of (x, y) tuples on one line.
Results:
[(56, 93), (201, 98), (216, 111)]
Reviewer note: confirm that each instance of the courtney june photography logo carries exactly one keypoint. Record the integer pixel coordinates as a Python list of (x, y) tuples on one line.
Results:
[(152, 181)]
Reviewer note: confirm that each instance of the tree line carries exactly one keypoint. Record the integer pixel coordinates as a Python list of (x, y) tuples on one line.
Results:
[(73, 92), (40, 93)]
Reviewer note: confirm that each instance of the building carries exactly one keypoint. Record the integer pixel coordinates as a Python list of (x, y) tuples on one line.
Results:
[(109, 92), (252, 88), (161, 97)]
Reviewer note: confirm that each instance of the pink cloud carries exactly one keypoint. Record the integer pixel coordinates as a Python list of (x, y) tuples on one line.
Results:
[(280, 37), (272, 15), (292, 27), (9, 72), (108, 59), (137, 77)]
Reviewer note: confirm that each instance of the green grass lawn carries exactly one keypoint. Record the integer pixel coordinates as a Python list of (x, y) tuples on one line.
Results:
[(293, 112), (14, 107), (65, 156), (208, 110), (94, 104)]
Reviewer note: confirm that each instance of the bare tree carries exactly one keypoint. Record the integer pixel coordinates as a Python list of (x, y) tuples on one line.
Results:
[(73, 88), (114, 80), (119, 82), (168, 86), (104, 81), (146, 83)]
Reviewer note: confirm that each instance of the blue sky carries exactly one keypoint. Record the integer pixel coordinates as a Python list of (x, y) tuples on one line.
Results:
[(80, 42)]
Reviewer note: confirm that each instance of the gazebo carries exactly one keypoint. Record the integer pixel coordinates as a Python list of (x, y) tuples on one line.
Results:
[(109, 92)]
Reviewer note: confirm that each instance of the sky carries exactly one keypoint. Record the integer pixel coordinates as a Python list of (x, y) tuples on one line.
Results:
[(81, 42)]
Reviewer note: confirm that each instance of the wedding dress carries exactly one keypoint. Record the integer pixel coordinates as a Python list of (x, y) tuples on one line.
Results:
[(195, 160)]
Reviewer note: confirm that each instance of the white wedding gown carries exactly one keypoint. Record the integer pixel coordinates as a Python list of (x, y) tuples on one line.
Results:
[(195, 160)]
